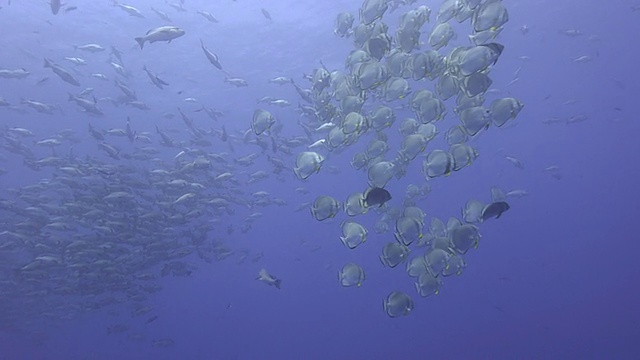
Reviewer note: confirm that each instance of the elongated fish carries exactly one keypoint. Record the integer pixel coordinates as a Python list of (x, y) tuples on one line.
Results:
[(61, 72), (213, 58)]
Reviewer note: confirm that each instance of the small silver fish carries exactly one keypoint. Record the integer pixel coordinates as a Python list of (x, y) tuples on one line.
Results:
[(269, 279)]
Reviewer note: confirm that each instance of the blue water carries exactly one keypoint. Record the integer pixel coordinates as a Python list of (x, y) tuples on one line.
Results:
[(555, 277)]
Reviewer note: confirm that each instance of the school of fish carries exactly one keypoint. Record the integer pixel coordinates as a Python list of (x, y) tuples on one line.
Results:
[(103, 229)]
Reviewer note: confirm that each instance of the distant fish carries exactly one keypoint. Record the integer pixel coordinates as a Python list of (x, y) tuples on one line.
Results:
[(55, 6), (117, 329), (161, 14), (155, 79), (61, 72), (87, 105), (177, 6), (213, 58), (99, 76), (38, 106), (209, 16), (93, 48), (515, 161), (14, 74), (76, 60), (269, 279), (517, 193), (266, 14), (117, 53), (129, 9), (281, 80), (238, 82), (163, 343)]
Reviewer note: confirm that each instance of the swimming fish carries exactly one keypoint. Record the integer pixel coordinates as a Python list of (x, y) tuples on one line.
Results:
[(376, 196), (494, 209), (162, 33), (269, 279)]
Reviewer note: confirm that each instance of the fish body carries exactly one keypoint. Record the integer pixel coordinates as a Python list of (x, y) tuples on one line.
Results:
[(280, 102), (269, 279), (92, 48), (281, 80), (88, 105), (76, 60), (494, 209), (376, 196), (236, 82), (266, 14), (38, 106), (55, 6), (129, 10), (14, 74), (208, 16), (61, 72), (99, 76), (161, 14), (155, 79), (163, 33), (213, 58)]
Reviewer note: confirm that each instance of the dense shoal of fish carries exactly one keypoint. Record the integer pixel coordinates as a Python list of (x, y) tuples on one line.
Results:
[(101, 230)]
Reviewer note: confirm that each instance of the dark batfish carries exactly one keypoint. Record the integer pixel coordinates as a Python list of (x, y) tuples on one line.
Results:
[(494, 210), (376, 196), (495, 47), (55, 6)]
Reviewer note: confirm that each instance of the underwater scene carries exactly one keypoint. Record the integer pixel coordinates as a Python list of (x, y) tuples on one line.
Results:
[(336, 179)]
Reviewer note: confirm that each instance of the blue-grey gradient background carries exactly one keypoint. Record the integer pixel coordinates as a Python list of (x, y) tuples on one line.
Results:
[(555, 278)]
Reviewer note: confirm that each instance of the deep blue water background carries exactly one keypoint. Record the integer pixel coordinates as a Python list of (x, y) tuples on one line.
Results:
[(554, 278)]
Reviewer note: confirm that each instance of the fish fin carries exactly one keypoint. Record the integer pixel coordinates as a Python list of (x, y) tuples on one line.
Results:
[(277, 283), (140, 41)]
